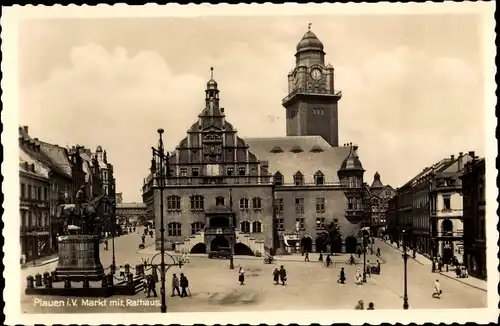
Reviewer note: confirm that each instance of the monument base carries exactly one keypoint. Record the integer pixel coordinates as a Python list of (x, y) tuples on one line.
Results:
[(79, 258)]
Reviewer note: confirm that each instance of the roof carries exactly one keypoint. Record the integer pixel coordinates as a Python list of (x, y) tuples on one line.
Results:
[(309, 42), (58, 155), (296, 155), (377, 184), (41, 170)]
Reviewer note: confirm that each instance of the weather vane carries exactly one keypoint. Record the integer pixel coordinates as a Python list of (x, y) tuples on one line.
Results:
[(211, 72), (309, 26)]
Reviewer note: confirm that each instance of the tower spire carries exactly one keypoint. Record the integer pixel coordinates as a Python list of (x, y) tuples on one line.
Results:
[(309, 26), (211, 72)]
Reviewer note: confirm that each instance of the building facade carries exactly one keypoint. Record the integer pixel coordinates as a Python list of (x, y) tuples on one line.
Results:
[(380, 195), (429, 208), (266, 194), (474, 202), (130, 213), (34, 208)]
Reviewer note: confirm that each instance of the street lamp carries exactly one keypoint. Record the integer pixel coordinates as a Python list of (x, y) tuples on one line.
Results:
[(405, 259), (365, 244), (231, 258), (159, 154), (113, 263)]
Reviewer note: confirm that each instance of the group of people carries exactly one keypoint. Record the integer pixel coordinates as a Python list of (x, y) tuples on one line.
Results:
[(361, 306), (179, 285), (279, 275)]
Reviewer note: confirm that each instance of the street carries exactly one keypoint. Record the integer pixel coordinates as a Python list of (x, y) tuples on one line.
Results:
[(310, 285)]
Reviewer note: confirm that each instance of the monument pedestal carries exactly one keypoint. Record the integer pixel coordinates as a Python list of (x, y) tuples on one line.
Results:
[(79, 258)]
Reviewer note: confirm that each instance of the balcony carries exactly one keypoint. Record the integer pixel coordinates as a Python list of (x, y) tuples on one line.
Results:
[(219, 231), (444, 235), (303, 91), (450, 213), (34, 230), (354, 215)]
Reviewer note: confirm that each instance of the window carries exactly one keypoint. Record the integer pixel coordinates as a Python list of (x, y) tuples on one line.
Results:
[(174, 229), (230, 171), (350, 203), (319, 179), (299, 206), (298, 179), (195, 172), (173, 203), (278, 179), (256, 203), (29, 192), (245, 226), (219, 200), (320, 205), (280, 223), (241, 171), (320, 223), (46, 194), (243, 204), (197, 227), (23, 190), (183, 172), (39, 193), (300, 223), (197, 203), (256, 226), (446, 203), (278, 203)]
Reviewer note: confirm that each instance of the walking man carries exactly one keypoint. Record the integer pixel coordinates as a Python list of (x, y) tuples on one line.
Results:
[(276, 276), (175, 285), (342, 276), (437, 290), (151, 286), (320, 259), (184, 285), (307, 256), (283, 275)]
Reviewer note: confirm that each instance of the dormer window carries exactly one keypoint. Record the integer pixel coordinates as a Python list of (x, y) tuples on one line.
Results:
[(278, 179), (276, 149), (296, 149), (319, 178), (298, 179), (316, 149), (241, 171)]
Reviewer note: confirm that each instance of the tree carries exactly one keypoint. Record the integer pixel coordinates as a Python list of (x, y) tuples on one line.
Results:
[(330, 236)]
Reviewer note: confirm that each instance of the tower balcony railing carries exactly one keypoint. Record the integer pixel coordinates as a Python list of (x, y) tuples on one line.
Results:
[(313, 92), (309, 184)]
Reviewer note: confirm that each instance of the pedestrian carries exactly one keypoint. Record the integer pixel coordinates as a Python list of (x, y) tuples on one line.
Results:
[(122, 271), (371, 306), (342, 276), (23, 259), (143, 239), (358, 277), (360, 305), (276, 276), (152, 286), (328, 260), (378, 252), (184, 285), (175, 285), (359, 253), (241, 276), (320, 259), (307, 256), (437, 290), (368, 268), (282, 275), (145, 284), (378, 266), (106, 245)]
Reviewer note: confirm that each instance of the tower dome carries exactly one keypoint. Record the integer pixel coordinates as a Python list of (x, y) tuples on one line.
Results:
[(377, 184), (212, 84), (98, 149), (352, 162), (309, 42)]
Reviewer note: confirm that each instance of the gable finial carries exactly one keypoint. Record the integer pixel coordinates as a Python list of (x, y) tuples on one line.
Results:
[(309, 26)]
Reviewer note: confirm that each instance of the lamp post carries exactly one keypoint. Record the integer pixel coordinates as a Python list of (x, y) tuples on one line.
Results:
[(365, 244), (405, 260), (113, 263), (159, 153)]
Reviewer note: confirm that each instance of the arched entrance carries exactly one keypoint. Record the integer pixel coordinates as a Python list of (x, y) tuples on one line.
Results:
[(351, 244), (219, 243), (337, 245), (243, 250), (447, 252), (321, 242), (306, 244), (199, 248)]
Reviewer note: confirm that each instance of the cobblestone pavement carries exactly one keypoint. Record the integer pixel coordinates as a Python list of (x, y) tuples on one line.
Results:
[(311, 286)]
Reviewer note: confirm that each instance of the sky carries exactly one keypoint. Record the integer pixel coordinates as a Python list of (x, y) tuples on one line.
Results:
[(412, 85)]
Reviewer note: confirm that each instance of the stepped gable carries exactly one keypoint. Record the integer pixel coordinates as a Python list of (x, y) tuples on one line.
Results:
[(308, 161)]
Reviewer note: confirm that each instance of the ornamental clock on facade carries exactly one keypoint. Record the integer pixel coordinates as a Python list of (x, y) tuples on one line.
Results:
[(316, 74)]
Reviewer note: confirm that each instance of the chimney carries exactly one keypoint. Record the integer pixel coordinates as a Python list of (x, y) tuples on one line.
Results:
[(222, 110), (35, 139), (20, 129), (25, 129), (472, 154), (460, 161), (452, 157)]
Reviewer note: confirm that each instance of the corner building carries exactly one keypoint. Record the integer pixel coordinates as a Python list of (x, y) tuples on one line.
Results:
[(264, 194)]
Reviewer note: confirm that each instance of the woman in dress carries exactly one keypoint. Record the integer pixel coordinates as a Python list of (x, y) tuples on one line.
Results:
[(241, 275)]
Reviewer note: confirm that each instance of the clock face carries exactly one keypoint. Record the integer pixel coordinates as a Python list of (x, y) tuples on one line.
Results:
[(316, 74)]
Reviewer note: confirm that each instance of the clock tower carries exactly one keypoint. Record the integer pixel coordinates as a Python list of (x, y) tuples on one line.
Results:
[(312, 101)]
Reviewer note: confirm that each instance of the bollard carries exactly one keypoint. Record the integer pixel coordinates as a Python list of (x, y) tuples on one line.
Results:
[(48, 284), (86, 283), (30, 283), (127, 269), (130, 278), (110, 280), (67, 283), (38, 279), (104, 283)]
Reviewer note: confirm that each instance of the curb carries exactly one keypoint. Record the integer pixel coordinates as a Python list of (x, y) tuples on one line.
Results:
[(410, 256), (45, 262), (459, 280)]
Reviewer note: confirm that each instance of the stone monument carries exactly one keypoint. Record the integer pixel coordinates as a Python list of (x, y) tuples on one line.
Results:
[(79, 245)]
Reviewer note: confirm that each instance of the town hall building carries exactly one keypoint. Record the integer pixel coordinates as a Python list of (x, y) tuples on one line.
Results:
[(258, 195)]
